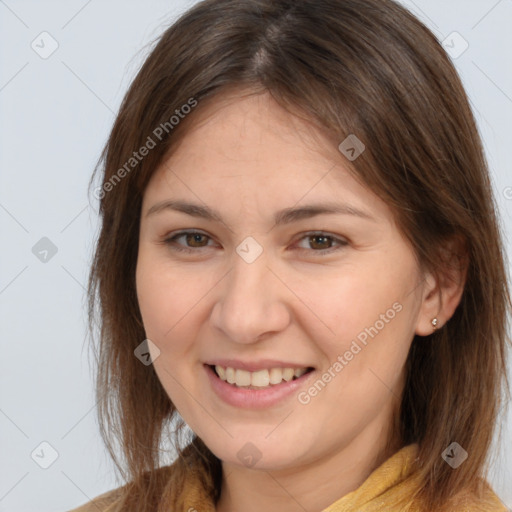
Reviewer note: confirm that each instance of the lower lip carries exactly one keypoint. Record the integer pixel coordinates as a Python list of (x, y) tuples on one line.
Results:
[(255, 398)]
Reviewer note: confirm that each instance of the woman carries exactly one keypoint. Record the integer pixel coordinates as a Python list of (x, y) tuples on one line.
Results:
[(298, 232)]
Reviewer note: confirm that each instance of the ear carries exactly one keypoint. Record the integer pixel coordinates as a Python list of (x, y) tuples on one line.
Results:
[(443, 287)]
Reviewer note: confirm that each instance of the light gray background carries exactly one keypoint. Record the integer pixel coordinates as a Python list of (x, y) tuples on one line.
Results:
[(55, 116)]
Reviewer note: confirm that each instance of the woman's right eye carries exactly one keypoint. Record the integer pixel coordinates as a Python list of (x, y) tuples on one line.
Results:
[(188, 241)]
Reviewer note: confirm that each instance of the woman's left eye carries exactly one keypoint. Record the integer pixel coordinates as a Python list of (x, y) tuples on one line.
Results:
[(321, 242)]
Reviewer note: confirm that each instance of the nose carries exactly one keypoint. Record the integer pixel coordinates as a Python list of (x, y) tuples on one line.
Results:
[(251, 304)]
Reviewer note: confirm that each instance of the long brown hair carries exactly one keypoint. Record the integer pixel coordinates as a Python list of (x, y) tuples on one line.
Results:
[(363, 67)]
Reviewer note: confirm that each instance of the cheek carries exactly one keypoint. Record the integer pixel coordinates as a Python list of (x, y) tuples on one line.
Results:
[(343, 304), (166, 303), (363, 323), (174, 306), (363, 373), (368, 355), (162, 296)]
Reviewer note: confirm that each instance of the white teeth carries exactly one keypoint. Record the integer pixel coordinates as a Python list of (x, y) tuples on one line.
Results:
[(261, 378), (299, 372), (288, 374), (230, 375), (242, 378), (221, 372), (276, 375)]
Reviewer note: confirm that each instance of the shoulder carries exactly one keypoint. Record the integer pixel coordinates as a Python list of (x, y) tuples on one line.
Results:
[(187, 480), (480, 498), (107, 502), (115, 499)]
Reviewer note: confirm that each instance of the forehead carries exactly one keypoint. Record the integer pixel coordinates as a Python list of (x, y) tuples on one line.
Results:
[(246, 147), (243, 123)]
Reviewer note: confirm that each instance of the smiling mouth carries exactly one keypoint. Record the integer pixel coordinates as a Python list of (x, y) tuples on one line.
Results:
[(261, 379)]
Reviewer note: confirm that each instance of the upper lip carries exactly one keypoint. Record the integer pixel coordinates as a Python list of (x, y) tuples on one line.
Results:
[(254, 366)]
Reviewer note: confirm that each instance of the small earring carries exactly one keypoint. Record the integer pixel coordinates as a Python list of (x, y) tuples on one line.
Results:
[(434, 323)]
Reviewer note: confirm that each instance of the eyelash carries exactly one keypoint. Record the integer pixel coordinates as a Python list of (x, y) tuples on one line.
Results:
[(171, 242)]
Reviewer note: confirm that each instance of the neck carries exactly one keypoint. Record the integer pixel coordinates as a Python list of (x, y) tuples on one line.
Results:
[(311, 486)]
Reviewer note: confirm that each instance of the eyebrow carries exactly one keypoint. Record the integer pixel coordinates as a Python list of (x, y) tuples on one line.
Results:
[(286, 216)]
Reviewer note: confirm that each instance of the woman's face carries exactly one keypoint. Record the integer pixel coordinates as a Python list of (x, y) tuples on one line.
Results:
[(258, 251)]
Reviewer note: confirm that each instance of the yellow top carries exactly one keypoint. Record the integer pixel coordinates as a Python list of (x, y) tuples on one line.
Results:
[(383, 490)]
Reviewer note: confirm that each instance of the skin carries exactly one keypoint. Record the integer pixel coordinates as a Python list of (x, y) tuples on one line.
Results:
[(247, 158)]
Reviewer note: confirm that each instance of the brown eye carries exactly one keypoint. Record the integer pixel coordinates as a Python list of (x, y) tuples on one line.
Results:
[(320, 242), (196, 240), (188, 241)]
